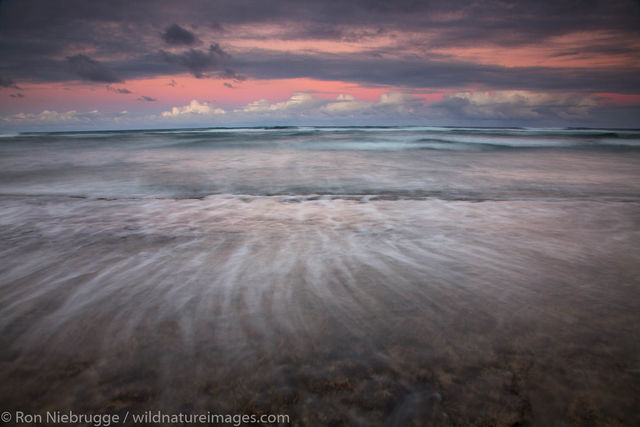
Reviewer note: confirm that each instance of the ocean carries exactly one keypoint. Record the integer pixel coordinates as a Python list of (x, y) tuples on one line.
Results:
[(339, 275)]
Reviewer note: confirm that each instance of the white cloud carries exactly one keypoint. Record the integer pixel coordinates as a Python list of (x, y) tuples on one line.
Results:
[(46, 116), (399, 101), (194, 107), (346, 103), (305, 104), (298, 101), (395, 98), (255, 106), (54, 116), (69, 120)]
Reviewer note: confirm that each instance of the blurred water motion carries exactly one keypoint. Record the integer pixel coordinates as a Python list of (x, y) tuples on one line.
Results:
[(361, 276)]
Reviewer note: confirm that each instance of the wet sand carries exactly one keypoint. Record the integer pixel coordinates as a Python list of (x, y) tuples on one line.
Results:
[(335, 312)]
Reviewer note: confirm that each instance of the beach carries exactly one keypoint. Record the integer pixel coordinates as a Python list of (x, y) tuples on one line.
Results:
[(341, 276)]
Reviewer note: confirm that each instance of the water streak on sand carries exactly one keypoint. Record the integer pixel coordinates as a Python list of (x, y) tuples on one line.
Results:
[(267, 271)]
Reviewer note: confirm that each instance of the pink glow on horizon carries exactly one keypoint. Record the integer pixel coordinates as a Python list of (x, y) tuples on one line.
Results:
[(170, 91), (180, 90), (244, 92)]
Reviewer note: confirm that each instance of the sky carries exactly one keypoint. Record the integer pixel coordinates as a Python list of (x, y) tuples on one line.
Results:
[(112, 64)]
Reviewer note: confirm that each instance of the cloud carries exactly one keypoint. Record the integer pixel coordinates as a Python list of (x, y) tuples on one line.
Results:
[(92, 70), (194, 108), (46, 116), (526, 98), (299, 101), (40, 29), (197, 61), (16, 95), (305, 104), (176, 35), (54, 116), (581, 47), (480, 107), (260, 105), (123, 36), (466, 108), (229, 85), (6, 82), (346, 103), (491, 15), (228, 73), (424, 73), (399, 102), (389, 102), (521, 105), (118, 90), (65, 120), (172, 83), (146, 98)]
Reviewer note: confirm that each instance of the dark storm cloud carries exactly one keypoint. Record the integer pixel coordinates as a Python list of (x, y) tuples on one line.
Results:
[(146, 98), (122, 37), (197, 61), (228, 73), (92, 70), (463, 22), (5, 82), (504, 21), (331, 31), (176, 35)]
